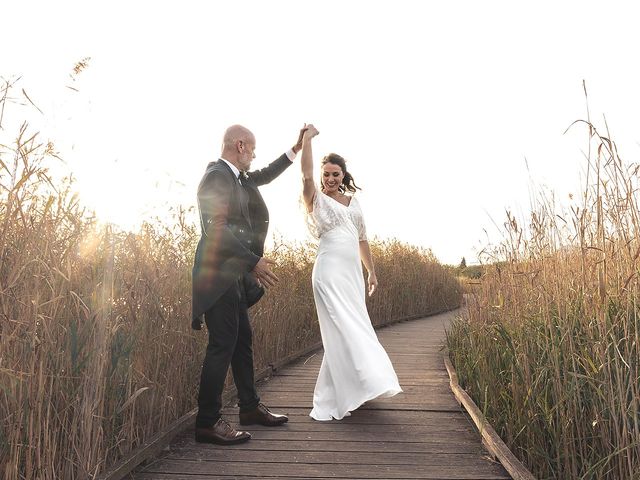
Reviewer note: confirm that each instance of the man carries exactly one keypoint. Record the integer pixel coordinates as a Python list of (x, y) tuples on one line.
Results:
[(229, 275)]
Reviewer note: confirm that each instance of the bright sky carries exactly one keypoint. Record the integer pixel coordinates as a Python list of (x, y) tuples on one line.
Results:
[(435, 105)]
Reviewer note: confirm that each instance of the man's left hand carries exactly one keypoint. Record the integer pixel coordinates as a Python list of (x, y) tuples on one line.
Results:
[(298, 146)]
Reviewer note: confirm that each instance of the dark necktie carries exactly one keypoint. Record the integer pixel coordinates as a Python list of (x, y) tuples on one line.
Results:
[(244, 195)]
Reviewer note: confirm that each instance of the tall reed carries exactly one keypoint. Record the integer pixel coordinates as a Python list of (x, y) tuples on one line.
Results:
[(96, 349), (550, 345)]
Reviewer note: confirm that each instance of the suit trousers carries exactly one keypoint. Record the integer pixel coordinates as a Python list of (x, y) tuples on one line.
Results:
[(230, 343)]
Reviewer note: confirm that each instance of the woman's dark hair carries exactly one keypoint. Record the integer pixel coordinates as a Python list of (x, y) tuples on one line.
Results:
[(347, 181)]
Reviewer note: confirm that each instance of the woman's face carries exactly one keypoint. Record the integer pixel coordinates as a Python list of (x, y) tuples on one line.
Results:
[(331, 177)]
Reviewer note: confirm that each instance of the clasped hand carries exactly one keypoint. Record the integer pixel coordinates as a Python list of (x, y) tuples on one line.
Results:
[(310, 131)]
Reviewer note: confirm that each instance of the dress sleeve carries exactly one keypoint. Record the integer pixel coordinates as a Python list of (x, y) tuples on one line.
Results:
[(310, 217), (359, 221)]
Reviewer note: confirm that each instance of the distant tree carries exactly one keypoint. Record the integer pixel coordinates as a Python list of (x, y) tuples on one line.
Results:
[(463, 264)]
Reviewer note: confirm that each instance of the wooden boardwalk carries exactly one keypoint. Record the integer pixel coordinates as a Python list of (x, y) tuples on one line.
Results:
[(421, 433)]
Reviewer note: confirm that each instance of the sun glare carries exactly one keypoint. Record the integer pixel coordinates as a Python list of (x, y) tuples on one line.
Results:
[(113, 203)]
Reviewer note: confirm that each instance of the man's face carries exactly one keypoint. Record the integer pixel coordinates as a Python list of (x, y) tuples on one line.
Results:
[(246, 149)]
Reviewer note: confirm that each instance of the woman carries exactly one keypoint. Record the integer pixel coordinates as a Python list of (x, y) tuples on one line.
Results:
[(355, 368)]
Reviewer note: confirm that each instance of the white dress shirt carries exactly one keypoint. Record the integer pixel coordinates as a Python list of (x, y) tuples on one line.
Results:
[(233, 168)]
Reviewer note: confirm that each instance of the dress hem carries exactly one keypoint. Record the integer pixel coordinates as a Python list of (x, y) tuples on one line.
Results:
[(391, 392)]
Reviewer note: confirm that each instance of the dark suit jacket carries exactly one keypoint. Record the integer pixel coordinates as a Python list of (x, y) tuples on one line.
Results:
[(234, 222)]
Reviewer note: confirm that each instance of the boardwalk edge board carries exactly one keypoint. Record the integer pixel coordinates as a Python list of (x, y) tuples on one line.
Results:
[(160, 440), (490, 438)]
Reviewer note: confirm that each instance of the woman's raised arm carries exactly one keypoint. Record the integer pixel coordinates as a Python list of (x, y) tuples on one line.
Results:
[(309, 187)]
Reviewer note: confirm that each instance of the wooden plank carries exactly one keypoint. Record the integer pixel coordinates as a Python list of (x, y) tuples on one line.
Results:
[(306, 470), (339, 428), (423, 373), (423, 388), (461, 436), (306, 398), (170, 476), (416, 448), (448, 406), (362, 458), (374, 417), (432, 361), (307, 389), (417, 355), (312, 369), (435, 402), (427, 446), (310, 383)]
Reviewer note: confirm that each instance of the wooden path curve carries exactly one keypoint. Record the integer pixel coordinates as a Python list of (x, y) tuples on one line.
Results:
[(421, 433)]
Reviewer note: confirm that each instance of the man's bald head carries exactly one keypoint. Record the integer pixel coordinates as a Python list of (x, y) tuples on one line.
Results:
[(238, 145), (237, 133)]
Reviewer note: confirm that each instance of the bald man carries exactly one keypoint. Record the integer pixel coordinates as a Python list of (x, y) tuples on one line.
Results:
[(229, 275)]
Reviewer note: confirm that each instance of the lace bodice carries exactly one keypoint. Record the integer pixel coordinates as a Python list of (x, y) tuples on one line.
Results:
[(329, 213)]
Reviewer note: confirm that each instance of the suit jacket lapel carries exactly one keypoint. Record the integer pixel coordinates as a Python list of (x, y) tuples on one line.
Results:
[(240, 193), (244, 202)]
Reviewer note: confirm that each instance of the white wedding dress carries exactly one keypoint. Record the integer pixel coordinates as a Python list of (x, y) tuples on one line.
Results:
[(355, 367)]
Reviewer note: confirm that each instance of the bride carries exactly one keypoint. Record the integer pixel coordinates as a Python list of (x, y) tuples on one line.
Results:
[(355, 367)]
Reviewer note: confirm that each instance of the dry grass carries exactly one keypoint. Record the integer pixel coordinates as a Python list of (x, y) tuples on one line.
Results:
[(96, 350), (551, 345), (470, 286)]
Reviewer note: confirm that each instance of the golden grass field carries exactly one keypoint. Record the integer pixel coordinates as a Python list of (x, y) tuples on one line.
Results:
[(96, 349), (550, 347)]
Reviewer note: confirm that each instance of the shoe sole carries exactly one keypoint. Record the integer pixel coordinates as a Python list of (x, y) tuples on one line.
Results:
[(264, 424), (221, 442)]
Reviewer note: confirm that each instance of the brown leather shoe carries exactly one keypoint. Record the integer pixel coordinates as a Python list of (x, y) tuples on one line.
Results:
[(221, 433), (262, 416)]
